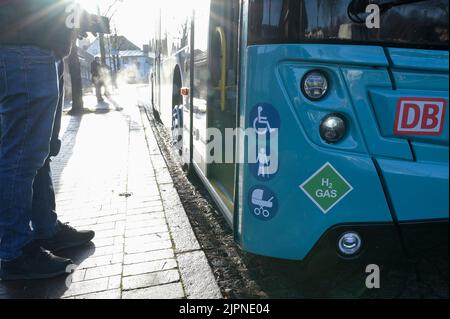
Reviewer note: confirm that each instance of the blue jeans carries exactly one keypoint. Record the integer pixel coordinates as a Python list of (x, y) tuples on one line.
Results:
[(31, 97)]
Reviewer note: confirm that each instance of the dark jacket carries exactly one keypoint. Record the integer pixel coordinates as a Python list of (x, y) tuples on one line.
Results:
[(40, 23), (95, 69)]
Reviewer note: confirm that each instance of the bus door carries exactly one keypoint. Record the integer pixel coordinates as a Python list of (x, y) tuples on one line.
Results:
[(222, 99)]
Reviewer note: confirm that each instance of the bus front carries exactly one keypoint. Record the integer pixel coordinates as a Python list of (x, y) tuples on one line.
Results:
[(357, 93)]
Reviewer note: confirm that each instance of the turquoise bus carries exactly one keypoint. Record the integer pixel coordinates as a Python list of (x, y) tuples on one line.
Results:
[(328, 119)]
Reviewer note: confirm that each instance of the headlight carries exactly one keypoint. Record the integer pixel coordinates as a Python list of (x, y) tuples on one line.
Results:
[(333, 128), (315, 85)]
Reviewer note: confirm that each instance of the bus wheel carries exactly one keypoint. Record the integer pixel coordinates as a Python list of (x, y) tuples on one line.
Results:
[(177, 128), (190, 173), (177, 112)]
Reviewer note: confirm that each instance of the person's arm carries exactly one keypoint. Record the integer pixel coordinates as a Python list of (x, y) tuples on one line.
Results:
[(39, 23), (58, 36)]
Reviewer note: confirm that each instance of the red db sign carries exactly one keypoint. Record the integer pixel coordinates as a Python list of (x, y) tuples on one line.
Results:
[(420, 116)]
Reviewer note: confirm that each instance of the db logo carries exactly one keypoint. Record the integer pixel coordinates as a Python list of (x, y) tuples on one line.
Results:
[(420, 116)]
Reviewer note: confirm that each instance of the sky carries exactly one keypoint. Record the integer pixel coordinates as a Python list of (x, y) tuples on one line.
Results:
[(133, 18)]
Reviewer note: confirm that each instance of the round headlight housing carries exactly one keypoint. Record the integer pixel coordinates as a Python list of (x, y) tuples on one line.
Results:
[(333, 128), (315, 85), (350, 244)]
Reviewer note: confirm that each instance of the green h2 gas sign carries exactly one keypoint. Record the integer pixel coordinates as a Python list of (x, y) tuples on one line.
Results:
[(326, 188)]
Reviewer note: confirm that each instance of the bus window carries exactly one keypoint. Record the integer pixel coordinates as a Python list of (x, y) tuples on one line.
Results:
[(417, 24)]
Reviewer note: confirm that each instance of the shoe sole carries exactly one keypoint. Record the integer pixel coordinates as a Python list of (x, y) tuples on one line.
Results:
[(74, 245), (6, 277)]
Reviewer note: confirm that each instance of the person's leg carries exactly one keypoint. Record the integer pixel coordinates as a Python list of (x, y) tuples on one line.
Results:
[(55, 143), (44, 218), (27, 112), (105, 85), (98, 90), (50, 233)]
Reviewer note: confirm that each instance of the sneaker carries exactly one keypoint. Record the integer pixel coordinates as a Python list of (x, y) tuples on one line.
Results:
[(67, 237), (35, 263)]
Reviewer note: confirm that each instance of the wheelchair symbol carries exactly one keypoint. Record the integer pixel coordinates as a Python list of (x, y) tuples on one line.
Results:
[(258, 200), (261, 121)]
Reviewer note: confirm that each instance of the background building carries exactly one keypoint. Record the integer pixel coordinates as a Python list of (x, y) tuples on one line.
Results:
[(132, 64)]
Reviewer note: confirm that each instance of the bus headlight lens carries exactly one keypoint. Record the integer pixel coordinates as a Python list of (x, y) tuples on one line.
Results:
[(333, 128), (350, 244), (315, 85)]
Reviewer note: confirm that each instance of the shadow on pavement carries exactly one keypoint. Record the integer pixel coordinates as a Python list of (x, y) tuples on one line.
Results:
[(48, 288)]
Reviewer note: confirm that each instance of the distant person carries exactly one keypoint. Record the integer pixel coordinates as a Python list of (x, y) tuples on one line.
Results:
[(34, 39), (98, 78)]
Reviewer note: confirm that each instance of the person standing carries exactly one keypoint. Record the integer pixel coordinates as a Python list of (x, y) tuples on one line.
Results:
[(98, 78), (34, 39)]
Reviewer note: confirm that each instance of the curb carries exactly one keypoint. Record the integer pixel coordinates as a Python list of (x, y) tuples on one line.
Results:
[(196, 274)]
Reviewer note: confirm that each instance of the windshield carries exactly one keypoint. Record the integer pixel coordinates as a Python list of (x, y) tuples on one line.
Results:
[(411, 23)]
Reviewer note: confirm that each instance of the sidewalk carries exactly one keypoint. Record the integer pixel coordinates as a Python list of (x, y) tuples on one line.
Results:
[(112, 178)]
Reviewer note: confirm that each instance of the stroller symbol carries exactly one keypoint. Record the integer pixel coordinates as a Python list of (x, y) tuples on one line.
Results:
[(258, 200)]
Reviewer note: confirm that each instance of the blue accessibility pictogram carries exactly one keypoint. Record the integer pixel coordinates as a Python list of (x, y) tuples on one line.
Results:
[(263, 203), (265, 120)]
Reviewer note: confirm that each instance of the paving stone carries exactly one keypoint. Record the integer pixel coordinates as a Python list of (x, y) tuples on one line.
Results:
[(119, 240), (84, 223), (170, 291), (146, 202), (87, 287), (148, 208), (163, 177), (149, 267), (106, 234), (102, 242), (154, 209), (180, 227), (148, 256), (146, 230), (146, 223), (143, 239), (78, 275), (105, 295), (145, 217), (115, 282), (103, 271), (144, 247), (198, 279), (108, 250), (150, 280), (104, 226), (96, 262), (112, 218)]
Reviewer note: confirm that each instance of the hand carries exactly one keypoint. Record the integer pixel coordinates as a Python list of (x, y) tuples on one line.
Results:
[(81, 35)]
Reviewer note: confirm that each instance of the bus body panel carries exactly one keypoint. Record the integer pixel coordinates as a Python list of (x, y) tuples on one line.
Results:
[(380, 167), (385, 104), (393, 179), (299, 223), (417, 59), (418, 190), (424, 73), (360, 81)]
